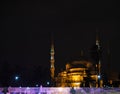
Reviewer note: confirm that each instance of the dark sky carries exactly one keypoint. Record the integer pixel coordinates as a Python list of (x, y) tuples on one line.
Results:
[(26, 28)]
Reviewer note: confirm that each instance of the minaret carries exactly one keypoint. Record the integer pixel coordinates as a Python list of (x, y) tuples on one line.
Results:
[(52, 60), (109, 61), (98, 52), (99, 59), (81, 53)]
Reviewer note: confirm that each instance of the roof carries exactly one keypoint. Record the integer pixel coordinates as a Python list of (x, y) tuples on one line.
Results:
[(81, 64)]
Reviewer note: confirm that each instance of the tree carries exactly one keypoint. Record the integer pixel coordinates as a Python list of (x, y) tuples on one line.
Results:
[(87, 79), (5, 74)]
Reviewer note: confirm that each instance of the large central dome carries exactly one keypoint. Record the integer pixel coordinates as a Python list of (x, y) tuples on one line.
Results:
[(79, 64)]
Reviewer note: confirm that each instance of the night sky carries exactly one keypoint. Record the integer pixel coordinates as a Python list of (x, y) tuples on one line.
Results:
[(26, 27)]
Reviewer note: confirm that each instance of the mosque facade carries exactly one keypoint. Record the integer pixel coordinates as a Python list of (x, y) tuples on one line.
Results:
[(77, 74)]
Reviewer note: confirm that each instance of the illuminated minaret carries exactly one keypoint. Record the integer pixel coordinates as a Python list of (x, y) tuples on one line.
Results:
[(98, 52), (99, 59), (52, 60)]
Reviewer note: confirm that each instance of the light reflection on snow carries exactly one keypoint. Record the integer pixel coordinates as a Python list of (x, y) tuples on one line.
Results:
[(60, 90)]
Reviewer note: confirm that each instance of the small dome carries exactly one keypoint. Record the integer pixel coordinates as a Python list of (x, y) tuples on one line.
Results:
[(81, 64), (78, 66)]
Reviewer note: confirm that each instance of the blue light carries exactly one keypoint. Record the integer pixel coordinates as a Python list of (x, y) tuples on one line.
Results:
[(48, 83), (36, 85), (98, 76), (16, 77)]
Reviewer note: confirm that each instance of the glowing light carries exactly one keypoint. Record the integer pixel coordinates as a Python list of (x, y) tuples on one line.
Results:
[(60, 89), (52, 57), (27, 88), (98, 76), (48, 83), (16, 77), (36, 85)]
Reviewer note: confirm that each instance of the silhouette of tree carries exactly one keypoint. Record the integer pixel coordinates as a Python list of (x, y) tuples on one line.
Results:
[(41, 75), (119, 76), (87, 79), (38, 75), (5, 74), (105, 78)]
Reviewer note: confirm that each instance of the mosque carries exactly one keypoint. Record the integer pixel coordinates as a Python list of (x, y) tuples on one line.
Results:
[(78, 73)]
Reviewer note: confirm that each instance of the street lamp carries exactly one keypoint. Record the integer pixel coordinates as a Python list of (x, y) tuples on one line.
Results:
[(99, 77), (16, 78)]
